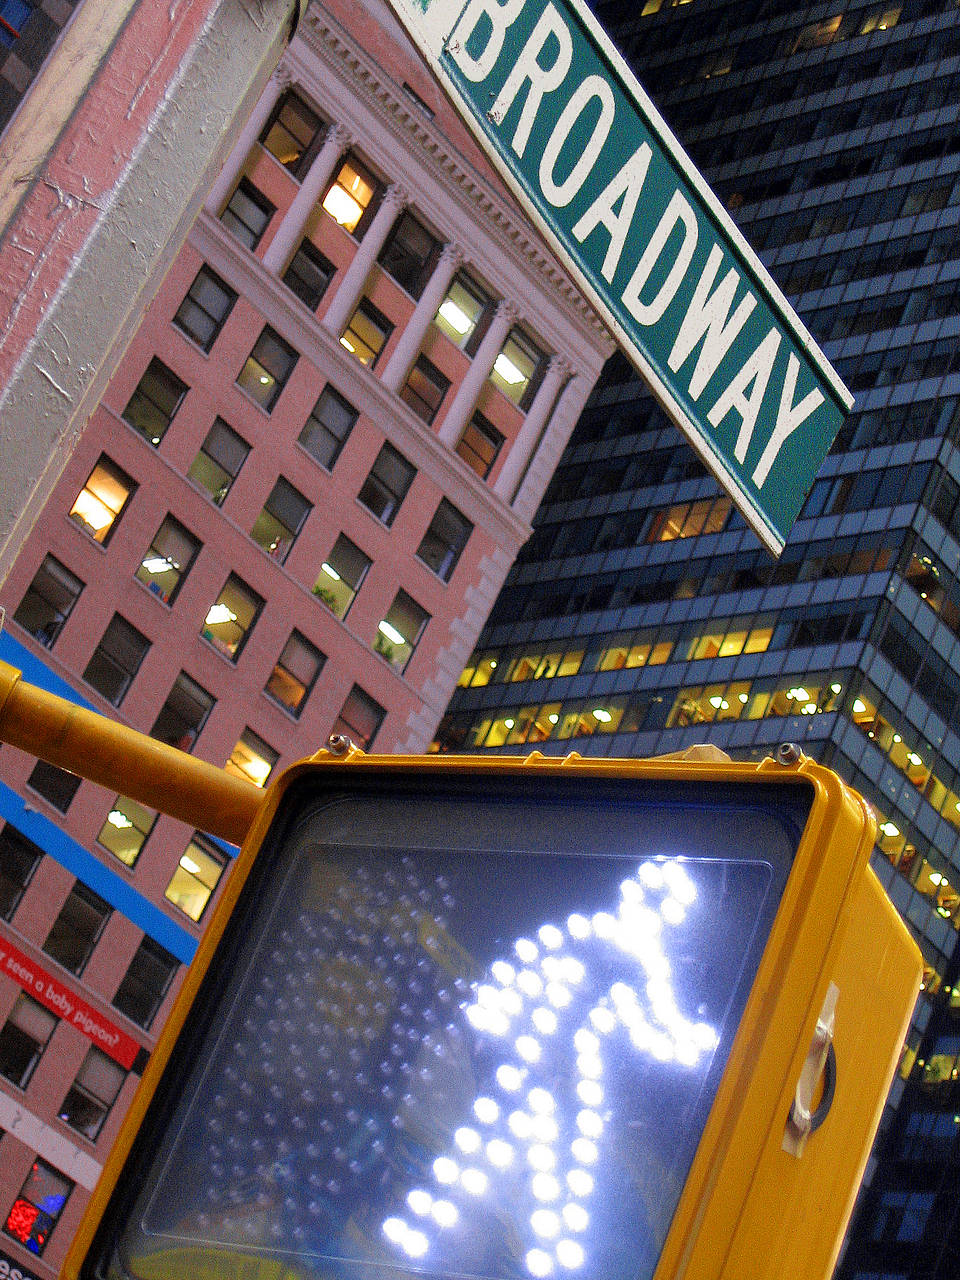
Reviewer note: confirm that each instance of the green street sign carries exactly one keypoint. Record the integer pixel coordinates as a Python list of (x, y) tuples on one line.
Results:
[(609, 187)]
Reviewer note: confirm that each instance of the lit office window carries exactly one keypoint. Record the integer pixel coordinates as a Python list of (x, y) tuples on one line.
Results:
[(352, 197), (197, 875), (518, 368), (367, 333), (126, 828), (400, 631), (293, 133), (295, 673), (100, 503), (480, 445), (157, 397), (283, 516), (465, 313), (425, 388), (218, 463), (341, 575), (230, 618), (267, 368), (252, 759), (168, 560)]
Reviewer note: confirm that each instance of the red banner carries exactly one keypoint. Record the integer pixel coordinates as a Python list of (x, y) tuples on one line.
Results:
[(66, 1004)]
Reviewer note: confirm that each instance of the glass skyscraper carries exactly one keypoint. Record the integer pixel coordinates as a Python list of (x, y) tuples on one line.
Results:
[(642, 616)]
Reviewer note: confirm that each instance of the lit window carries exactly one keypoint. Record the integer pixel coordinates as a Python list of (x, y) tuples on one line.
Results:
[(247, 214), (881, 19), (101, 501), (23, 1038), (409, 254), (267, 369), (19, 858), (204, 311), (157, 398), (221, 456), (281, 519), (292, 133), (145, 982), (387, 484), (309, 275), (197, 875), (352, 194), (125, 831), (168, 560), (480, 444), (465, 313), (398, 633), (328, 427), (367, 333), (445, 539), (230, 618), (425, 388), (360, 718), (92, 1094), (341, 575), (252, 759), (295, 673), (57, 786), (518, 367), (183, 714), (34, 1213), (77, 928), (48, 600), (116, 660)]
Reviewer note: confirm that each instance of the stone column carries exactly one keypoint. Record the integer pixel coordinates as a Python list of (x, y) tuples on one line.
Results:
[(411, 340), (290, 231), (552, 443), (528, 437), (462, 406), (280, 81), (350, 288)]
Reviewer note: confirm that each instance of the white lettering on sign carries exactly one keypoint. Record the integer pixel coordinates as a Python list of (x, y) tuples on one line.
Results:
[(541, 79), (706, 318), (677, 214)]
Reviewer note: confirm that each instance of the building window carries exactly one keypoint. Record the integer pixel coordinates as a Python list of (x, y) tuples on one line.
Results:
[(281, 519), (399, 632), (359, 719), (157, 398), (465, 313), (247, 214), (425, 388), (116, 660), (145, 983), (19, 858), (203, 312), (367, 333), (48, 601), (480, 444), (267, 369), (13, 17), (102, 500), (353, 196), (125, 831), (230, 618), (341, 575), (167, 563), (77, 928), (34, 1213), (295, 673), (309, 274), (23, 1038), (183, 715), (689, 519), (518, 369), (219, 461), (386, 486), (445, 539), (57, 786), (197, 875), (92, 1094), (410, 254), (328, 427), (252, 759), (293, 133)]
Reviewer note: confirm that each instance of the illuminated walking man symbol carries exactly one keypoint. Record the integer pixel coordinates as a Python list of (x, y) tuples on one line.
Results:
[(528, 1152)]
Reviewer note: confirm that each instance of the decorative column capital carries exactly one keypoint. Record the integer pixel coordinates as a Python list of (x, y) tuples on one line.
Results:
[(508, 310), (283, 78), (341, 135), (396, 197), (561, 366), (452, 254)]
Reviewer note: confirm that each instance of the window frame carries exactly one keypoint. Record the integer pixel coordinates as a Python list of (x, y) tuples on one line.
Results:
[(379, 322), (206, 275), (307, 436), (452, 548), (251, 234), (433, 378), (481, 426), (361, 224), (91, 1130), (120, 651), (222, 428), (405, 264), (46, 633), (281, 671), (97, 910), (279, 547), (119, 477), (43, 1221), (381, 493), (256, 372), (327, 594), (299, 282), (346, 727), (148, 946), (156, 552), (19, 1035), (306, 152), (145, 399)]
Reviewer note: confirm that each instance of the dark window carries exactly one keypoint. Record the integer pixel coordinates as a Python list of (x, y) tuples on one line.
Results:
[(353, 196), (386, 486), (220, 458), (13, 16), (360, 718), (126, 829), (293, 133), (116, 660), (169, 559), (48, 600), (19, 858), (145, 983), (281, 519), (57, 786), (92, 1094), (295, 673), (77, 928), (328, 427), (102, 500), (196, 877), (203, 312), (399, 632), (230, 618), (367, 333), (157, 398), (425, 388), (445, 539), (341, 575), (34, 1213), (183, 715), (267, 369), (309, 274), (410, 254), (480, 444), (252, 759), (465, 313), (247, 214), (23, 1038)]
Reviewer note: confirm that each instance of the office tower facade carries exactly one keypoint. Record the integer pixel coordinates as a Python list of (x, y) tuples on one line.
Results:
[(643, 617)]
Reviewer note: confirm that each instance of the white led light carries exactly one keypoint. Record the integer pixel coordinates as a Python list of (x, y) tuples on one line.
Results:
[(486, 1110), (444, 1213), (603, 1020), (395, 1229), (584, 1150), (511, 1002), (416, 1244), (530, 983), (499, 1153), (550, 936), (604, 925), (681, 886), (545, 1186), (503, 972), (545, 1129), (467, 1139), (589, 1091), (569, 1254), (579, 927), (672, 911), (651, 875), (509, 1077), (445, 1170), (575, 1215), (589, 1123), (539, 1262), (580, 1182), (704, 1035), (420, 1202), (541, 1157), (584, 1041), (589, 1066), (474, 1181), (526, 950), (558, 995), (520, 1124), (541, 1100), (528, 1048), (545, 1223), (545, 1020), (572, 970)]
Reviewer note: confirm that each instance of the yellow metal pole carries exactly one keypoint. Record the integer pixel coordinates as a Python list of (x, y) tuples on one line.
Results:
[(124, 760)]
